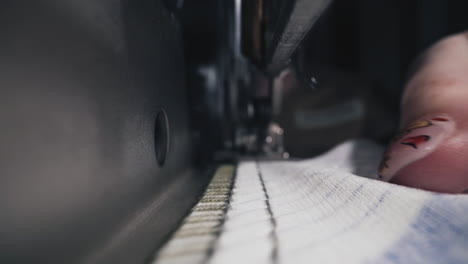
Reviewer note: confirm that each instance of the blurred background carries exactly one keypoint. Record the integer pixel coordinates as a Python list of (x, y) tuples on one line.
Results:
[(380, 39), (358, 54)]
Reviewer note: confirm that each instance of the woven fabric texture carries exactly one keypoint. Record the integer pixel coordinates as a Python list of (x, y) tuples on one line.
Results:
[(330, 209)]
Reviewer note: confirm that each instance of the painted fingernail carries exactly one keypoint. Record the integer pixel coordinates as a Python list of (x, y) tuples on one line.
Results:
[(415, 142)]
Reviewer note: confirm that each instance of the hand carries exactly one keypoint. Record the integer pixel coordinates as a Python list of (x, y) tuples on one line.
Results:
[(431, 150)]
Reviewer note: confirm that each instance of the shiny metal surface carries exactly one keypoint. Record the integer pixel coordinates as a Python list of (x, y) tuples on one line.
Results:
[(81, 83)]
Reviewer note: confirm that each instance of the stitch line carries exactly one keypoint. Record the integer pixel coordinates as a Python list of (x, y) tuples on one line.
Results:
[(273, 235)]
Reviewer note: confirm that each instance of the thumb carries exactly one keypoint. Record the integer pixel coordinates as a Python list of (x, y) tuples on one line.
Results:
[(431, 150)]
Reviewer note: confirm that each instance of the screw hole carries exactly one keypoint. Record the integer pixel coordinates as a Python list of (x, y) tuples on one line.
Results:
[(161, 137)]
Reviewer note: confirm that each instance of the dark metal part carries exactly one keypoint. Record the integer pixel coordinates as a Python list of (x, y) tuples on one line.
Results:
[(252, 30), (313, 83), (273, 146), (81, 83), (207, 34), (286, 24)]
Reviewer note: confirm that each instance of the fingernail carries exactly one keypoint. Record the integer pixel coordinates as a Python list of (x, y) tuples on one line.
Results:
[(415, 142)]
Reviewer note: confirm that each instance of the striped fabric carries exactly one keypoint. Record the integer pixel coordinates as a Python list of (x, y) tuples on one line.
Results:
[(319, 211)]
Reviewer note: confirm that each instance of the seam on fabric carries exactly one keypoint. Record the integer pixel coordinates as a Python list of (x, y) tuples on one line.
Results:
[(273, 235), (212, 210), (217, 235)]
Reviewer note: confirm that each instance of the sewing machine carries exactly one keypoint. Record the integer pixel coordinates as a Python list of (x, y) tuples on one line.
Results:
[(115, 114)]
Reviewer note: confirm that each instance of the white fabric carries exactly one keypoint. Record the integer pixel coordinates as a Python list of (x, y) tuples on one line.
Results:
[(320, 211)]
